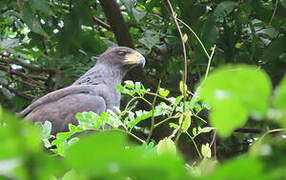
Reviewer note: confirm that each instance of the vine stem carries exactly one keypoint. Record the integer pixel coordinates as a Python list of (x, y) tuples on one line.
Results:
[(209, 62), (185, 67), (197, 37), (165, 120), (269, 132), (195, 144), (152, 118)]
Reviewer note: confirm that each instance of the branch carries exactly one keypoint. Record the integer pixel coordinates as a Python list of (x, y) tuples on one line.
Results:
[(116, 21), (101, 23), (28, 76), (26, 65), (19, 93)]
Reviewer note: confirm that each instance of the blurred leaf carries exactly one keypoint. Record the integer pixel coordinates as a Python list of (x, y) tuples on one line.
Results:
[(110, 155), (274, 49), (227, 115), (280, 95), (283, 2), (166, 146), (9, 43), (234, 92), (30, 19), (244, 84), (224, 8), (241, 168), (149, 39), (138, 14), (206, 151), (41, 5)]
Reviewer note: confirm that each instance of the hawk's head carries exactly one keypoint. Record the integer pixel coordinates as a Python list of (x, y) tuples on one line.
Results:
[(122, 57)]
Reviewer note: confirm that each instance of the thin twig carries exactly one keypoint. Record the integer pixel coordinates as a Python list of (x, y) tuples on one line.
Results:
[(209, 62), (28, 76), (197, 37), (185, 66), (19, 93), (26, 65), (274, 12), (152, 118), (101, 23), (213, 140), (165, 120), (195, 144)]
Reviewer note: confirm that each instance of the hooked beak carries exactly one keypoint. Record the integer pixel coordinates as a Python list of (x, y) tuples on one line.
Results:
[(134, 58)]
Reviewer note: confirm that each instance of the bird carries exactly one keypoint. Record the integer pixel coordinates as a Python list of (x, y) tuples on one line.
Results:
[(94, 91)]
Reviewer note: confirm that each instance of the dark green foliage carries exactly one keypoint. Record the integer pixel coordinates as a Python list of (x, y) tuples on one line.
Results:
[(46, 45)]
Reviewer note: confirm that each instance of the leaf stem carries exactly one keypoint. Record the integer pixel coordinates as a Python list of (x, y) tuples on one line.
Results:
[(195, 144), (152, 118), (209, 62), (163, 121), (197, 37)]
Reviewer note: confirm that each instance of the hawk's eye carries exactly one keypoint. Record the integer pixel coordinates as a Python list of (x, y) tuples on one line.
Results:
[(122, 53)]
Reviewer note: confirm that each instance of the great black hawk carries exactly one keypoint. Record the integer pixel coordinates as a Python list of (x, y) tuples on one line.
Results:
[(94, 91)]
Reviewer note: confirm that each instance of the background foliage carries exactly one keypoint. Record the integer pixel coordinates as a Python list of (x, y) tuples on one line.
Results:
[(236, 114)]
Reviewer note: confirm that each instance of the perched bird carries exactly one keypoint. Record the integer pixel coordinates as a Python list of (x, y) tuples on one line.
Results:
[(94, 91)]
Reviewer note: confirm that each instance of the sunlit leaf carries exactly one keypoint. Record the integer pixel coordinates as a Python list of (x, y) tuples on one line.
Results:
[(206, 150), (166, 146), (280, 95), (164, 92), (185, 119), (235, 92)]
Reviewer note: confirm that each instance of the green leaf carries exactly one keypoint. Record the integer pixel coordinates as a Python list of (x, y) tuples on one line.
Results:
[(185, 38), (244, 84), (234, 92), (275, 49), (206, 151), (46, 129), (205, 130), (183, 87), (149, 39), (41, 5), (173, 125), (186, 122), (138, 14), (166, 146), (164, 92), (226, 115), (109, 154), (129, 84), (283, 2), (280, 95), (30, 19), (245, 168), (224, 8)]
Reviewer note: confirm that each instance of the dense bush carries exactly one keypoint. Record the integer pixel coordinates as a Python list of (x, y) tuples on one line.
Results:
[(217, 111)]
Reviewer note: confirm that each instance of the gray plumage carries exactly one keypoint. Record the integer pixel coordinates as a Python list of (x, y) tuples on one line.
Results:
[(94, 91)]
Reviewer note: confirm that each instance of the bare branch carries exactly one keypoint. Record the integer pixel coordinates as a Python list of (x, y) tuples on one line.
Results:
[(16, 72), (101, 23), (19, 93)]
